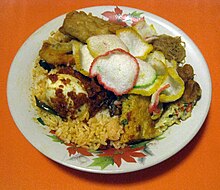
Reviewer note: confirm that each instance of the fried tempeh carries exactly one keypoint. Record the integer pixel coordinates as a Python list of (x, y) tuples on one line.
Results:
[(82, 26)]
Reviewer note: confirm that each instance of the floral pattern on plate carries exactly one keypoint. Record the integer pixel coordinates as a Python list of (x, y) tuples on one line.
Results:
[(117, 16), (135, 153)]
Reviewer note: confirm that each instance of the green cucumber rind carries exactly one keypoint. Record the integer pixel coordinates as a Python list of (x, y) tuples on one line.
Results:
[(146, 85)]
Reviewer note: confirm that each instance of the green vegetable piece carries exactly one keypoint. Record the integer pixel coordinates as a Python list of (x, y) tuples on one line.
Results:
[(45, 107), (46, 65), (40, 121), (124, 122)]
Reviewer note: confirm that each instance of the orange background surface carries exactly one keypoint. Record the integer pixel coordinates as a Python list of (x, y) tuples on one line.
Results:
[(197, 166)]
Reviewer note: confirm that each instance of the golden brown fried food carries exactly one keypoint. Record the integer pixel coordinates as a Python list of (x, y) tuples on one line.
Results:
[(192, 91), (57, 54), (186, 72), (137, 120), (59, 37), (81, 25)]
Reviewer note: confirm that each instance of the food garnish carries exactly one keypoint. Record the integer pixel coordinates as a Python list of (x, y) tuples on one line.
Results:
[(144, 30), (147, 74), (101, 44), (155, 99), (85, 59), (135, 43), (44, 106), (149, 90), (116, 70), (176, 89)]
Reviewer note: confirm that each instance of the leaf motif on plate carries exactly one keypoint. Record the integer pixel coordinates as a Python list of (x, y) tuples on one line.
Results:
[(56, 139), (102, 162)]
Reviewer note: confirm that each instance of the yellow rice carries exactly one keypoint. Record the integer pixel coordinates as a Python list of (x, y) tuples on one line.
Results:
[(91, 135)]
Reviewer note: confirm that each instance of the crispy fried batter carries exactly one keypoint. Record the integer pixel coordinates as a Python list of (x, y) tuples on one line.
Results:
[(59, 37), (82, 26), (57, 54)]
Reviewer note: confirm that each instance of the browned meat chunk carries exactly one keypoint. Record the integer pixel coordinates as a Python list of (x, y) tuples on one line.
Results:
[(81, 25), (57, 54), (186, 72), (192, 91)]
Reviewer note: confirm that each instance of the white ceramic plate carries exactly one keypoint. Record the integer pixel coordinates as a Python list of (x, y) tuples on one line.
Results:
[(154, 152)]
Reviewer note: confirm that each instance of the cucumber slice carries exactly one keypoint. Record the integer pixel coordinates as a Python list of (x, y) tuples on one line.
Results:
[(149, 90), (147, 75)]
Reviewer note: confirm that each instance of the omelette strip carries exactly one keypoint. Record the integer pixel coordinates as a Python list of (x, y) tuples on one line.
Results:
[(136, 119), (82, 26)]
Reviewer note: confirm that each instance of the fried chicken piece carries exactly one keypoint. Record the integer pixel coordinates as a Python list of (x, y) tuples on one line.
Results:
[(57, 54), (82, 26)]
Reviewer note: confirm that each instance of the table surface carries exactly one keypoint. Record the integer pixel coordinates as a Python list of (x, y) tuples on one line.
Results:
[(196, 166)]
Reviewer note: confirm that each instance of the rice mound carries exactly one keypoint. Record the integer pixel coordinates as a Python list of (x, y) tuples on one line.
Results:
[(91, 134)]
